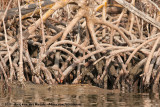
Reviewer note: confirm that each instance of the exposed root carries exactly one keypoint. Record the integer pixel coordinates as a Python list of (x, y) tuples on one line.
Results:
[(70, 41)]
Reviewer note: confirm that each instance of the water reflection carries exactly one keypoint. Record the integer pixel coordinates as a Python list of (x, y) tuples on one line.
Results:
[(74, 95)]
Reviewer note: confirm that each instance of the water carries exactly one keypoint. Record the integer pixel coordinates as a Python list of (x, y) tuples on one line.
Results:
[(74, 96)]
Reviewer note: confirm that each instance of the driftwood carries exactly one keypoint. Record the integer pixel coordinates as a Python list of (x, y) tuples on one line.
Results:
[(27, 10), (72, 41)]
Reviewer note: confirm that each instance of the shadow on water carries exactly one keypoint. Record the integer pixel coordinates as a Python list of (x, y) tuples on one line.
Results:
[(74, 95)]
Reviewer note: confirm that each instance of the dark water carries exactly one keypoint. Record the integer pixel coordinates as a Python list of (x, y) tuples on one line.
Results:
[(74, 96)]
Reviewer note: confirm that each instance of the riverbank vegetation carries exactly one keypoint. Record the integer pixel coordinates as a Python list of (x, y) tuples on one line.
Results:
[(108, 43)]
